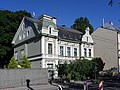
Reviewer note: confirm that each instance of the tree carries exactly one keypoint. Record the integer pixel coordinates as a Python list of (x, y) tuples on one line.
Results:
[(111, 2), (13, 63), (9, 22), (81, 24), (25, 63), (81, 69)]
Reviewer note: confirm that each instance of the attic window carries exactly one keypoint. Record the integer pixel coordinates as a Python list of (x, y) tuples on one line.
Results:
[(23, 35), (20, 37), (28, 32)]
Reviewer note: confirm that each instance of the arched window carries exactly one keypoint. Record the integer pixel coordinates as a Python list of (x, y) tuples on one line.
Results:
[(50, 28)]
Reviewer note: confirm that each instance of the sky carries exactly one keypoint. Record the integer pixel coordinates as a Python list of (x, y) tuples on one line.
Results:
[(66, 11)]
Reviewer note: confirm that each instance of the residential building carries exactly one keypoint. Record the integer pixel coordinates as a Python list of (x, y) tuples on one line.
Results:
[(107, 45), (46, 45)]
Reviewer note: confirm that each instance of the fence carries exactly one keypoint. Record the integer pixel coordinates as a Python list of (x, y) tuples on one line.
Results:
[(18, 77)]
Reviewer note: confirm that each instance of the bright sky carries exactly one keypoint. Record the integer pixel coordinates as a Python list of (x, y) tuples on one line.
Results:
[(66, 11)]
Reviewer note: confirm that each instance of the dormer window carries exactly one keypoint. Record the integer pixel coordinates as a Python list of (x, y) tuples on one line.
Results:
[(50, 29)]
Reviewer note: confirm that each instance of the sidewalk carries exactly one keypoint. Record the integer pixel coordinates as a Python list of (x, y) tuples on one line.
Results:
[(34, 87)]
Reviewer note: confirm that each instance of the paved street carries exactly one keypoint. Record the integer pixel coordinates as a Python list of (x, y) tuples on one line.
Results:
[(34, 87), (108, 85)]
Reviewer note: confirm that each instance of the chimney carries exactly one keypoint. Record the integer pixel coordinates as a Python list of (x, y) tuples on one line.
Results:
[(103, 22)]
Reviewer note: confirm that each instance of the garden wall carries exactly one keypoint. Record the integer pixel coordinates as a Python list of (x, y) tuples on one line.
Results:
[(18, 77)]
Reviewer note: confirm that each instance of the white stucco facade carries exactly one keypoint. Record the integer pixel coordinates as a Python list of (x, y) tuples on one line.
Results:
[(87, 46)]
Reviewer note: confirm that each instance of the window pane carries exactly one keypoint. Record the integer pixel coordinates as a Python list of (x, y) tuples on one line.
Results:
[(89, 52), (61, 50), (68, 51), (49, 48), (22, 53), (16, 55), (75, 51), (85, 52)]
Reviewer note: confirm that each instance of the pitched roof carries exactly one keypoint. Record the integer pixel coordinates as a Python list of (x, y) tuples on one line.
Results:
[(69, 34), (111, 27)]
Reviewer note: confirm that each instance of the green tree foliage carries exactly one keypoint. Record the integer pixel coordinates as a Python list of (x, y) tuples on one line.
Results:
[(98, 64), (112, 2), (25, 63), (81, 69), (13, 63), (81, 24), (9, 23)]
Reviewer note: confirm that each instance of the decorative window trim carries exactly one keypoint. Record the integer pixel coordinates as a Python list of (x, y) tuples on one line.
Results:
[(68, 51), (61, 50), (20, 37), (50, 48), (50, 29), (75, 52)]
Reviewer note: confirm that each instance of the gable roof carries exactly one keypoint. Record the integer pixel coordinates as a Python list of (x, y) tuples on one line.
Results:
[(20, 26)]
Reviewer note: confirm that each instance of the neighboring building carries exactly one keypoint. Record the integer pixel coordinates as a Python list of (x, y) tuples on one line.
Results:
[(107, 45), (45, 44)]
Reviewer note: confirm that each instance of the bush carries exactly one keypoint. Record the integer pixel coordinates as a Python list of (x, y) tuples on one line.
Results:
[(25, 63), (13, 63)]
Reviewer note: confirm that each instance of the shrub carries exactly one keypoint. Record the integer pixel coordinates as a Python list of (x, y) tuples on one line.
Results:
[(13, 63), (25, 63)]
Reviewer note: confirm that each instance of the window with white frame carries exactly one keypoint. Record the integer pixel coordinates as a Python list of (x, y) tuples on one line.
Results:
[(68, 51), (23, 35), (85, 52), (49, 48), (61, 50), (20, 37), (16, 55), (28, 32), (75, 52), (22, 53), (50, 28), (89, 52)]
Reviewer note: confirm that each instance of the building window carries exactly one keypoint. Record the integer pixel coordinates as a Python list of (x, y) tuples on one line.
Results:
[(85, 52), (89, 52), (23, 35), (22, 53), (28, 33), (87, 39), (50, 30), (50, 66), (68, 51), (49, 48), (16, 55), (20, 37), (75, 52), (61, 50)]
